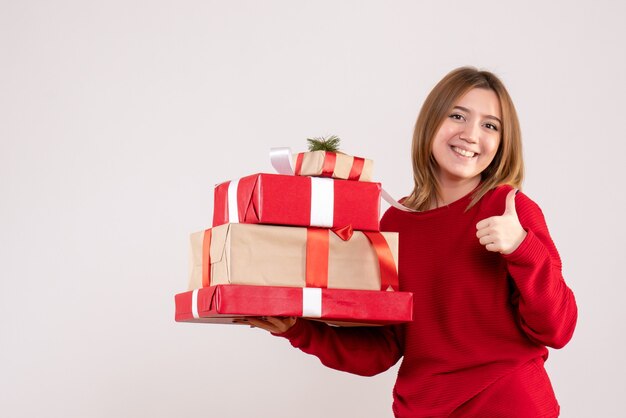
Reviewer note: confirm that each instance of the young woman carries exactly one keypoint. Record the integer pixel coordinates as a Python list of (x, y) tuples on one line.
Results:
[(486, 277)]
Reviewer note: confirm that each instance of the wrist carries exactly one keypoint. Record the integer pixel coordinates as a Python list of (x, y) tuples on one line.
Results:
[(291, 329)]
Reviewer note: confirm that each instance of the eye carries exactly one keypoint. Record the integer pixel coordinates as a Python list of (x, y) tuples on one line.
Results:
[(491, 126), (456, 116)]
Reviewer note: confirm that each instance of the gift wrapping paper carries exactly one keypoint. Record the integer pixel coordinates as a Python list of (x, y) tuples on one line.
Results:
[(298, 201), (271, 255), (333, 164), (225, 303)]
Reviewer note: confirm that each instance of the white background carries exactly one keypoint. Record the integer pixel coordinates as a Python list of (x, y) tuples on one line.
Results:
[(118, 117)]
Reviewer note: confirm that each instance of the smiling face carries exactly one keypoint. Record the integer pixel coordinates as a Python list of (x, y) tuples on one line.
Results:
[(468, 138)]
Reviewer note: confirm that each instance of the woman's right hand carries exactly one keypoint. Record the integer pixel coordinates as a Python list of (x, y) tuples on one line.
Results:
[(273, 324)]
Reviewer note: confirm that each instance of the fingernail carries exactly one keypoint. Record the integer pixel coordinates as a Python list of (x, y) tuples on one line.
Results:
[(517, 191)]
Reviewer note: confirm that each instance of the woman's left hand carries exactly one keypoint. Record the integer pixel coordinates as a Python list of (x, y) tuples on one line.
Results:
[(272, 324), (502, 234)]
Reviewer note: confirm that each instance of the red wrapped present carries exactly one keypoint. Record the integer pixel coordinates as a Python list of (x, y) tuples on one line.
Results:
[(298, 201), (225, 303)]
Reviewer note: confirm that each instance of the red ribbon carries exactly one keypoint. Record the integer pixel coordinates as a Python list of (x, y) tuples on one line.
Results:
[(316, 257), (206, 259), (299, 159), (330, 159), (357, 168), (345, 232), (388, 272), (317, 246), (317, 250), (328, 166)]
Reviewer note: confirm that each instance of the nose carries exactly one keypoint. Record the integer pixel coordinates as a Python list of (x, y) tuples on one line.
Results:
[(470, 132)]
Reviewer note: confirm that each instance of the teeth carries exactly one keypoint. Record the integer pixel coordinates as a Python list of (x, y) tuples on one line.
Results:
[(463, 152)]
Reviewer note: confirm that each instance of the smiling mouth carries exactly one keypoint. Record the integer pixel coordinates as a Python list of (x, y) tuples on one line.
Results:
[(464, 153)]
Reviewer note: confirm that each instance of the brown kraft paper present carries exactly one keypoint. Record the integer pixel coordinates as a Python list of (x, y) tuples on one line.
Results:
[(333, 164), (269, 255)]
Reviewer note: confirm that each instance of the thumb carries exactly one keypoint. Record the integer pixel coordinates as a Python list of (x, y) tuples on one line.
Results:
[(510, 203)]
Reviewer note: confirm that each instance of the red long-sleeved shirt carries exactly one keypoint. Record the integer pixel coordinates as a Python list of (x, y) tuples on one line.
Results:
[(482, 320)]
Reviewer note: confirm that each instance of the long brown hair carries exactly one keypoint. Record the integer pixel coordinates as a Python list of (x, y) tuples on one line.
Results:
[(507, 166)]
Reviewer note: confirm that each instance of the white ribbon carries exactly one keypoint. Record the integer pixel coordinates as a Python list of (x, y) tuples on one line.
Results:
[(233, 207), (393, 202), (322, 202), (312, 302), (281, 160), (194, 304)]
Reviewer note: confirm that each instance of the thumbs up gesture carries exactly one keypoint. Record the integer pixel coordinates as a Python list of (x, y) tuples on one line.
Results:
[(504, 233)]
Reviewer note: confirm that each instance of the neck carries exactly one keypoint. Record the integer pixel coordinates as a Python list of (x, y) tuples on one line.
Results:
[(451, 191)]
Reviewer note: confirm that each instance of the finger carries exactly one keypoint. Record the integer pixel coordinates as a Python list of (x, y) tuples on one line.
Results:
[(493, 247), (484, 232), (486, 240), (255, 322), (484, 223), (282, 324), (259, 323), (277, 322), (510, 203)]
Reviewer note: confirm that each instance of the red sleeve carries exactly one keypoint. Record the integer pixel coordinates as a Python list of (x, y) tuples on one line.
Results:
[(546, 306), (365, 351)]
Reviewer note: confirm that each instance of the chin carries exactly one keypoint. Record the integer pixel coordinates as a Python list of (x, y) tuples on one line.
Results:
[(462, 177)]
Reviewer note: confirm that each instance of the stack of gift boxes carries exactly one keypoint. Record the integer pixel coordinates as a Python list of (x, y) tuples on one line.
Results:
[(304, 243)]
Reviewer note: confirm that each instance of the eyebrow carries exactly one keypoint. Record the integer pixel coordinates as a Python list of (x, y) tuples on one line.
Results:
[(487, 116)]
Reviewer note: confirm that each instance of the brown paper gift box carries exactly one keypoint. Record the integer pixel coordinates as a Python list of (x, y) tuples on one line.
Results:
[(269, 255), (333, 164)]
